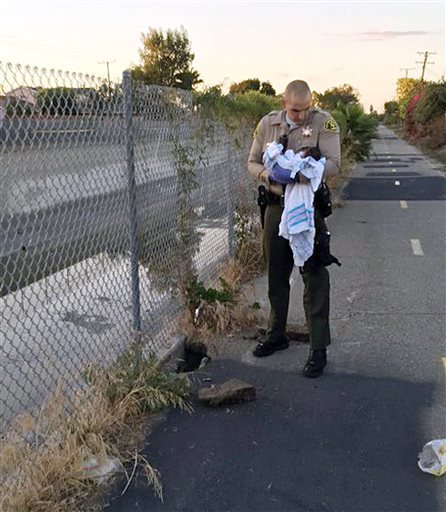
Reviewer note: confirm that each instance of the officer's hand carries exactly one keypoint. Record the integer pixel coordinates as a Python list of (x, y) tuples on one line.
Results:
[(263, 176), (280, 175)]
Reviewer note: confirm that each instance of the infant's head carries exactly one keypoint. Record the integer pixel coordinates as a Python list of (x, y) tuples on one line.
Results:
[(314, 152)]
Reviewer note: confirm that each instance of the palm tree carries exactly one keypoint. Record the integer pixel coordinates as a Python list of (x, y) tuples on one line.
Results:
[(357, 130)]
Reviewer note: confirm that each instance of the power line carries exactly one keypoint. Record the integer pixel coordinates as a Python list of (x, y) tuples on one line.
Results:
[(426, 56), (407, 70)]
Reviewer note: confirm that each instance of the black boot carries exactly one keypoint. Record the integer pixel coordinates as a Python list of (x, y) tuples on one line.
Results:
[(268, 347), (317, 360)]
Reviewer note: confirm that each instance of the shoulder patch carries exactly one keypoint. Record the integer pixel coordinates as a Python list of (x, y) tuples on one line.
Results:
[(331, 124)]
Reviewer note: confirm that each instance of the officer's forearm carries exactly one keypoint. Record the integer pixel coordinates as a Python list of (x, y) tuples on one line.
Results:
[(331, 168), (255, 169)]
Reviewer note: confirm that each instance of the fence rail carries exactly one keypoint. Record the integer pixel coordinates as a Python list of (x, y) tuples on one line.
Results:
[(109, 196)]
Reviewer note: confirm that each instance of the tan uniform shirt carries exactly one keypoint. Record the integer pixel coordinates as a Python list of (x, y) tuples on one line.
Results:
[(319, 130)]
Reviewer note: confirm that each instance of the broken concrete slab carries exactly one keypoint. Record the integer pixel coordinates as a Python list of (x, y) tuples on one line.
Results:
[(233, 391)]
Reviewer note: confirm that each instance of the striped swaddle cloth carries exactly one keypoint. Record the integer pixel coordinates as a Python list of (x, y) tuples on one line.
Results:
[(297, 222)]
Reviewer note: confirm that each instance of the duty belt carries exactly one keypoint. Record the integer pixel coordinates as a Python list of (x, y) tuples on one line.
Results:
[(275, 199)]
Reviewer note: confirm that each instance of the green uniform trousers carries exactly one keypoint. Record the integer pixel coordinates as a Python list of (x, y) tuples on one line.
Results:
[(279, 260)]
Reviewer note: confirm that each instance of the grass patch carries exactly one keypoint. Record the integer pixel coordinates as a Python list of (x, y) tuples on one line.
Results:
[(44, 458), (223, 309)]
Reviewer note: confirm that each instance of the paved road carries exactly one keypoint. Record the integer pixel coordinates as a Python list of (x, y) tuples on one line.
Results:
[(347, 442)]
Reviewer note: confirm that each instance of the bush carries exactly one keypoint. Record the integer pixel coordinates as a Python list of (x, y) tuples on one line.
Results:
[(57, 101), (411, 128), (18, 108), (232, 108), (437, 134), (391, 113), (432, 103), (405, 90)]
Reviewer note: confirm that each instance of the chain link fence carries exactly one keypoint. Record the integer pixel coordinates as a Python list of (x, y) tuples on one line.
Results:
[(111, 194)]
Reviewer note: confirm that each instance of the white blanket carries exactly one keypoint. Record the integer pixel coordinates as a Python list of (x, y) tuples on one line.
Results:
[(297, 221)]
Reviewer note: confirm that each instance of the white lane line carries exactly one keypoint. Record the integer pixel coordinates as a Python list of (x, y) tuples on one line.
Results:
[(444, 363), (404, 204), (416, 247), (397, 183)]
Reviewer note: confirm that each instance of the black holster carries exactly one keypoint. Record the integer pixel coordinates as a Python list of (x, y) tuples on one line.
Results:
[(322, 200), (321, 256)]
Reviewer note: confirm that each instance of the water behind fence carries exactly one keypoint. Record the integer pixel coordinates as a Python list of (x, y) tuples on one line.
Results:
[(110, 195)]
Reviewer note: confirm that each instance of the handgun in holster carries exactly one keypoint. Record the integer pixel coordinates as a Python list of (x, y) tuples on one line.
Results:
[(262, 201), (322, 196)]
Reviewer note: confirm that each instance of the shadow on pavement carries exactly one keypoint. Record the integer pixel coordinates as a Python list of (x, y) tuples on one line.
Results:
[(344, 442), (423, 188)]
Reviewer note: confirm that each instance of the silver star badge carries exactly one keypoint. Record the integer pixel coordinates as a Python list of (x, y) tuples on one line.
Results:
[(307, 131)]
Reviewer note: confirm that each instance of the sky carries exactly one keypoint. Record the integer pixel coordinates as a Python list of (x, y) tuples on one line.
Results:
[(327, 43)]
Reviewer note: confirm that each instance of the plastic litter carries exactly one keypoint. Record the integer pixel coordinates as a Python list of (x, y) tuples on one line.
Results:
[(432, 458), (100, 469)]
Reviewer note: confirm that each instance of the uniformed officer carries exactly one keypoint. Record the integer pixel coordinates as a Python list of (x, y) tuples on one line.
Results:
[(306, 127)]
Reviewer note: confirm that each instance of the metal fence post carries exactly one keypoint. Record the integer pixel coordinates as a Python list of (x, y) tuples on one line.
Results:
[(133, 222), (231, 203)]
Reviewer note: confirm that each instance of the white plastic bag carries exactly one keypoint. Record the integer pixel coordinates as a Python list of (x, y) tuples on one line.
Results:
[(432, 459), (101, 468)]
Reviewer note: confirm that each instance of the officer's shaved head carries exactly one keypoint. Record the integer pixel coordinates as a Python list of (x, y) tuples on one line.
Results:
[(297, 100), (297, 89)]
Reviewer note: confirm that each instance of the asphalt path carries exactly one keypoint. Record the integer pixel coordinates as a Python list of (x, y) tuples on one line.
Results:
[(347, 441)]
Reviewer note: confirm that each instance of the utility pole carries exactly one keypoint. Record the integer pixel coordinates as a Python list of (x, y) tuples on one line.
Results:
[(108, 62), (426, 56), (407, 70)]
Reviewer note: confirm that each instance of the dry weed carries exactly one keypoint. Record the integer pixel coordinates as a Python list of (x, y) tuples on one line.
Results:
[(43, 458), (214, 317)]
